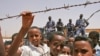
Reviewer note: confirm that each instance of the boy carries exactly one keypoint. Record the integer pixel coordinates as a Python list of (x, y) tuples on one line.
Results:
[(83, 47)]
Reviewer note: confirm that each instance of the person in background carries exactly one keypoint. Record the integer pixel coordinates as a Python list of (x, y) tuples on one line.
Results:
[(70, 29), (80, 26), (70, 42), (94, 35), (14, 37), (83, 46), (66, 50), (50, 25), (59, 25), (8, 45)]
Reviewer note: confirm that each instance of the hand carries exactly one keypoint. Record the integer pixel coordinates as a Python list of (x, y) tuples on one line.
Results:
[(27, 19), (76, 28)]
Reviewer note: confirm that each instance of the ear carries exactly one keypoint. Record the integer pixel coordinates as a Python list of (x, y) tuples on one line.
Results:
[(94, 51)]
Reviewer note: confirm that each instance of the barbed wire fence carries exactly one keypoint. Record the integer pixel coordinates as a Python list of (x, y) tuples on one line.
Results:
[(50, 9)]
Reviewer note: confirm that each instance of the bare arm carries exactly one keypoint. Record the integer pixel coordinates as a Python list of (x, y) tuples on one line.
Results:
[(2, 50), (27, 20)]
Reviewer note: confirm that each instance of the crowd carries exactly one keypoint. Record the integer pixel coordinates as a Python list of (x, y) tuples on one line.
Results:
[(55, 43), (73, 30)]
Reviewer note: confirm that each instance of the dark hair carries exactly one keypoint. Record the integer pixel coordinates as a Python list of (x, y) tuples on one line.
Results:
[(49, 17), (50, 36), (13, 36), (7, 43), (59, 19), (70, 19), (94, 34), (81, 38), (35, 27), (81, 15), (68, 45)]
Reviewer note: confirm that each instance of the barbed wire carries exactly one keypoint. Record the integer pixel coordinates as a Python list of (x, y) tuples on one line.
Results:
[(93, 14), (50, 9)]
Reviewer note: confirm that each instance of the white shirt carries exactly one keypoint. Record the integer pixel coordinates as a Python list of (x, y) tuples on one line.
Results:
[(97, 48), (31, 50)]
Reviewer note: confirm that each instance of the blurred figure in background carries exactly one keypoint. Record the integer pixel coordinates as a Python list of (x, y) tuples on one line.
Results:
[(59, 25), (80, 26), (70, 28), (94, 35), (66, 50), (50, 25)]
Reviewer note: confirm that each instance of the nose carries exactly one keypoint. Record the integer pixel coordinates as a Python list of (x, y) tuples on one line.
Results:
[(34, 37), (79, 54), (58, 48)]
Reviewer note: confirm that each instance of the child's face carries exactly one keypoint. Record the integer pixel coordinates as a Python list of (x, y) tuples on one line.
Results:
[(71, 40), (66, 51), (55, 46), (6, 49), (82, 48), (34, 36)]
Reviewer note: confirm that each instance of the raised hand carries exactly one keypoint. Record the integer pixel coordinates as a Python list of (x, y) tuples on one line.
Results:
[(2, 50), (27, 20)]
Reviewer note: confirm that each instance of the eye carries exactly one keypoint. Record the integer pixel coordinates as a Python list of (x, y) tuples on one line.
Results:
[(68, 53), (84, 51), (55, 44), (36, 35)]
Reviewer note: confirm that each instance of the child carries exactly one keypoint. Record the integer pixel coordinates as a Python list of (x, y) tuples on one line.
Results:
[(94, 35), (35, 47), (83, 47), (55, 43), (66, 50), (27, 20)]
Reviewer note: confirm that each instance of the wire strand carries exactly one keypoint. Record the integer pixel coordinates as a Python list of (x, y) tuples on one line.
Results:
[(50, 9)]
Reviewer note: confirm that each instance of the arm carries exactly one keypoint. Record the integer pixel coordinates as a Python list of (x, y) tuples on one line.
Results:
[(53, 24), (2, 50), (27, 20), (76, 23), (87, 23)]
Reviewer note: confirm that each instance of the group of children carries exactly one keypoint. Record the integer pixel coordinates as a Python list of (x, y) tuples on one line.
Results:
[(55, 45)]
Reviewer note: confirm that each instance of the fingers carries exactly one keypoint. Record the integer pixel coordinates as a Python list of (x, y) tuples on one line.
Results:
[(26, 13), (33, 17)]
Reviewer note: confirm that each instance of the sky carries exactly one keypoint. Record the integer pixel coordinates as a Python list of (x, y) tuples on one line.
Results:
[(15, 7)]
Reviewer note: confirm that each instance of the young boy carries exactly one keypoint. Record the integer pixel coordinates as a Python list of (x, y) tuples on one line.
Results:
[(66, 50), (35, 47), (55, 43), (83, 47), (94, 35)]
